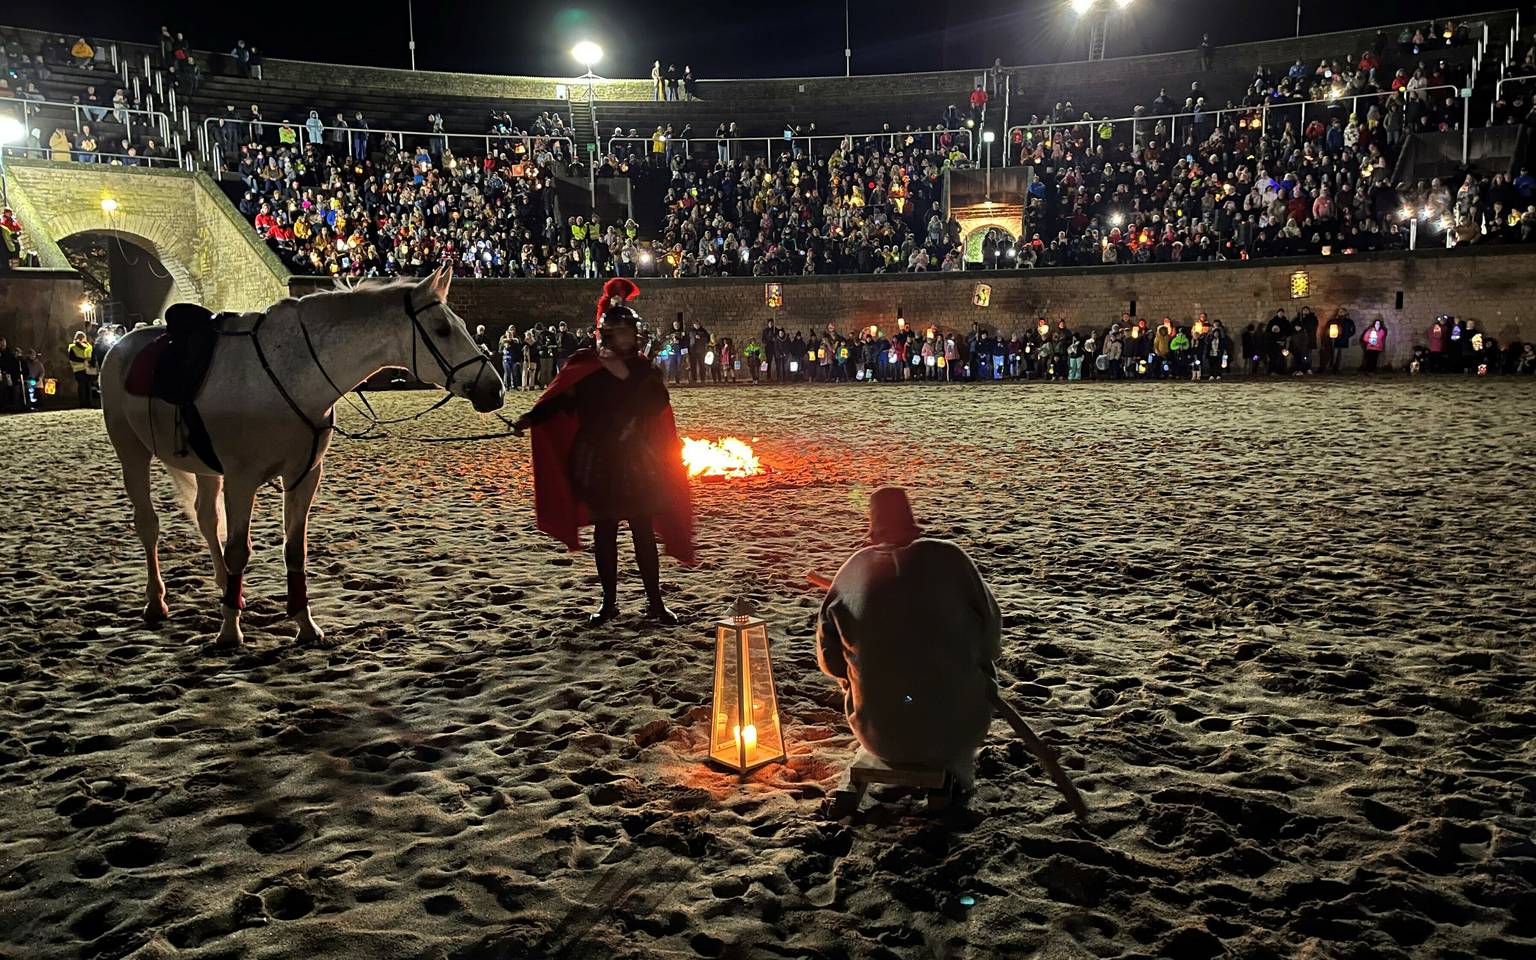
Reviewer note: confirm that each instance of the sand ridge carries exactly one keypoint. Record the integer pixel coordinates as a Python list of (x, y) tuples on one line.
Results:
[(1279, 631)]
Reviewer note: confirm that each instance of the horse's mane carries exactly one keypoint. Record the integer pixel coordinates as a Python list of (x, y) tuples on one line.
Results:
[(346, 287)]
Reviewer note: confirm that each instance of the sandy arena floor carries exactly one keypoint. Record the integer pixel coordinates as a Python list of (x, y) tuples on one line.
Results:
[(1281, 632)]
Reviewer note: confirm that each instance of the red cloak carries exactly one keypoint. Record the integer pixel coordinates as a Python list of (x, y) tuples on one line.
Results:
[(559, 513)]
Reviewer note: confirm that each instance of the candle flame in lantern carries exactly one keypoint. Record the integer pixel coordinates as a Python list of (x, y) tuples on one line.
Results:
[(728, 457), (747, 734)]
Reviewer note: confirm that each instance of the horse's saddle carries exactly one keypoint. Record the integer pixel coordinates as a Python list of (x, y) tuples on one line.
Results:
[(172, 368)]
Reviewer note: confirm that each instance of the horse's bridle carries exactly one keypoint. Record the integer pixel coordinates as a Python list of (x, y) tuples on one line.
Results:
[(449, 372), (318, 430)]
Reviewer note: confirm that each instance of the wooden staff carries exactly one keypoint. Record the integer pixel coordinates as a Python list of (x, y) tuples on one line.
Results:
[(1041, 750)]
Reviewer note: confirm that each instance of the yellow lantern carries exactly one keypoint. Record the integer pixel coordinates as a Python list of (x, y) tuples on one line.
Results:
[(1135, 333), (745, 732), (1044, 328), (1333, 331), (1199, 328), (50, 387)]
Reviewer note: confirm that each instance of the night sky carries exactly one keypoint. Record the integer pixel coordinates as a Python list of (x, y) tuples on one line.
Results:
[(718, 39)]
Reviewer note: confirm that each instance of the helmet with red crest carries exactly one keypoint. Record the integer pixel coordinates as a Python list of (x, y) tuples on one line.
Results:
[(612, 306)]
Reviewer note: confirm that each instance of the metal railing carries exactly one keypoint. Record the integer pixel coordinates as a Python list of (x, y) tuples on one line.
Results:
[(1498, 91), (1149, 122), (107, 159), (804, 145), (84, 113), (211, 147)]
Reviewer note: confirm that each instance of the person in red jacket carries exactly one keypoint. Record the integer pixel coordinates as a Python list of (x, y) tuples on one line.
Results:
[(605, 450), (1437, 345), (978, 103), (1373, 341)]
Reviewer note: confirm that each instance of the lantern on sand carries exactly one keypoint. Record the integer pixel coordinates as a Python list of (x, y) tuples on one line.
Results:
[(745, 733)]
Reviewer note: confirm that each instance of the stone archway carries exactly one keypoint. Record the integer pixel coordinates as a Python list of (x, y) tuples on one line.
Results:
[(183, 286), (973, 238), (182, 219)]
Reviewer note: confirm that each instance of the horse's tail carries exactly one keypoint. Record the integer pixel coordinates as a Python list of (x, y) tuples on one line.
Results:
[(185, 485)]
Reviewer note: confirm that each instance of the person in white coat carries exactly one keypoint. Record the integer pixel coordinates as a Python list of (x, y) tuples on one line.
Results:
[(910, 631)]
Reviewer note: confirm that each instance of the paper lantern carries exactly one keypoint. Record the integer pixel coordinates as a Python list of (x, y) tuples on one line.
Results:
[(1333, 331), (939, 361), (1135, 333), (794, 366), (50, 387), (709, 358), (745, 732)]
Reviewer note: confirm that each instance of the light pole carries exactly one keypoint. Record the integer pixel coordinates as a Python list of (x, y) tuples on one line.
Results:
[(1098, 30), (847, 42), (588, 54), (410, 22), (11, 131), (987, 136)]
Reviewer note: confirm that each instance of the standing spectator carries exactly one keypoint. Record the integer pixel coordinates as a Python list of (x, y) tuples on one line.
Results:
[(82, 365), (532, 358), (359, 128), (12, 378), (511, 358), (656, 78), (671, 81), (316, 127), (10, 239), (1205, 52), (1341, 330), (241, 54), (1279, 331), (439, 140), (1373, 341), (978, 104), (167, 43), (690, 92)]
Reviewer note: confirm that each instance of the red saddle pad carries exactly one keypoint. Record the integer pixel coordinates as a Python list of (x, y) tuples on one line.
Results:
[(141, 374)]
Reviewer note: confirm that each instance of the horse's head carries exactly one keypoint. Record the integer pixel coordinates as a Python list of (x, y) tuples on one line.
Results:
[(460, 368)]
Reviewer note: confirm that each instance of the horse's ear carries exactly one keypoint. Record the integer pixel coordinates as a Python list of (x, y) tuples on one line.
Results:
[(438, 282)]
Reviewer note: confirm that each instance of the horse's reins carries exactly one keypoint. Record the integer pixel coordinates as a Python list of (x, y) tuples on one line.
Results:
[(318, 430)]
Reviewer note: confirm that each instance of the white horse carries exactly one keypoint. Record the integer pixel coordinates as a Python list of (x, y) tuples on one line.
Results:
[(268, 405)]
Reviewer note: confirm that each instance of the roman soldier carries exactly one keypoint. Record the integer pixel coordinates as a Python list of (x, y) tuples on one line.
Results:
[(605, 450)]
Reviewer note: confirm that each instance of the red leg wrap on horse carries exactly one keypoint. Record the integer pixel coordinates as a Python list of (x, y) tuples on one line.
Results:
[(298, 591), (234, 594)]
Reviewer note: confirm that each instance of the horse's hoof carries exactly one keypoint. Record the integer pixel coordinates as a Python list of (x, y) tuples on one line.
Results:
[(228, 640), (155, 611), (314, 636)]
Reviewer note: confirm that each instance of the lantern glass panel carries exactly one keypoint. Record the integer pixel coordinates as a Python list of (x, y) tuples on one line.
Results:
[(745, 731)]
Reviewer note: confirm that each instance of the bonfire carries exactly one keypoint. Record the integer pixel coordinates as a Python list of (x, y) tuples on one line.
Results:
[(725, 458)]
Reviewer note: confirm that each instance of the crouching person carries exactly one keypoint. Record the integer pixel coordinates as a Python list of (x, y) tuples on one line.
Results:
[(917, 677)]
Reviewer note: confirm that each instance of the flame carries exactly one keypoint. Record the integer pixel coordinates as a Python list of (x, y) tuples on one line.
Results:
[(729, 457), (747, 733)]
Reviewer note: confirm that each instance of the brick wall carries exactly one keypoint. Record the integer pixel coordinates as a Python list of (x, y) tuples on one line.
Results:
[(209, 250), (1496, 287)]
